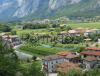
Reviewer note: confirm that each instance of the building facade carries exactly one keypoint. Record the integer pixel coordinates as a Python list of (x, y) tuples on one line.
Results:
[(48, 62), (90, 62)]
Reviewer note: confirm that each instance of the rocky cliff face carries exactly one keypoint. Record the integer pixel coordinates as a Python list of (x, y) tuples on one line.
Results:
[(26, 7), (22, 8)]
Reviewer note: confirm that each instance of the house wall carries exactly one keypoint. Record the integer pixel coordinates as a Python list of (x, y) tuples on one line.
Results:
[(51, 64), (90, 64), (82, 55), (96, 31), (66, 60), (88, 33), (72, 34), (15, 41)]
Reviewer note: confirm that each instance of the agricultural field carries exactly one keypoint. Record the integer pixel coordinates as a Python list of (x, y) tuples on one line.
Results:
[(72, 25), (39, 51), (85, 25)]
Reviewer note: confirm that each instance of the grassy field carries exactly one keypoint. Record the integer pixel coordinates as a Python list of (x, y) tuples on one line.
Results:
[(28, 65), (20, 31), (85, 25)]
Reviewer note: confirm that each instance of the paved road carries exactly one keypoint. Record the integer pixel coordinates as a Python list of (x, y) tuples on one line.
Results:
[(23, 55), (53, 74), (20, 54)]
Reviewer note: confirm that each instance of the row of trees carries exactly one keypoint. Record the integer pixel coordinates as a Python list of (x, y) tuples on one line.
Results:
[(5, 28), (9, 62), (66, 39), (35, 26)]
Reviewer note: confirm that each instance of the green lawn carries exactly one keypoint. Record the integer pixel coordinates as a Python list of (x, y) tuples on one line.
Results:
[(28, 65)]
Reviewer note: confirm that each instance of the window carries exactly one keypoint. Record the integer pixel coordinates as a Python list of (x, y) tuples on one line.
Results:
[(56, 61), (95, 56), (52, 66), (51, 62)]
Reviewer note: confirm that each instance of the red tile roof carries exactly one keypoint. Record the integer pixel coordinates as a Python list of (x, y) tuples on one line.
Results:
[(64, 53), (87, 39), (93, 48), (97, 53), (89, 58), (66, 66), (72, 31), (63, 32), (52, 57), (69, 56)]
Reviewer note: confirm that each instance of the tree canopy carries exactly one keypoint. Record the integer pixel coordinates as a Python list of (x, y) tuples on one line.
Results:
[(8, 61)]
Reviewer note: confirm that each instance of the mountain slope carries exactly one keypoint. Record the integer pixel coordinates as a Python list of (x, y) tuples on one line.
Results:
[(39, 9)]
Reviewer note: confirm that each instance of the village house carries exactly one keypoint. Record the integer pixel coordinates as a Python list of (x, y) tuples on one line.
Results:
[(48, 62), (64, 53), (88, 32), (72, 32), (2, 34), (66, 66), (11, 39), (15, 40), (95, 30), (17, 26), (87, 40), (94, 48), (80, 30), (6, 42), (64, 32), (72, 58), (63, 25), (90, 62), (69, 56), (95, 54)]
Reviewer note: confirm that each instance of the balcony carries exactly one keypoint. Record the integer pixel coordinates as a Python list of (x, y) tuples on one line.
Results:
[(45, 68), (45, 64)]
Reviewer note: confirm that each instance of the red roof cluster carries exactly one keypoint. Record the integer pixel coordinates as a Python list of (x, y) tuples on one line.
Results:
[(97, 53), (66, 66), (64, 53), (94, 48)]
